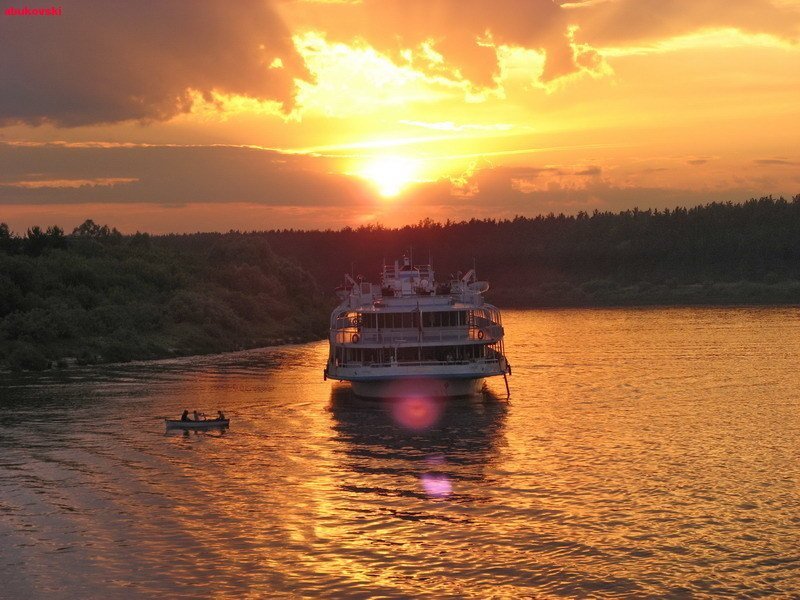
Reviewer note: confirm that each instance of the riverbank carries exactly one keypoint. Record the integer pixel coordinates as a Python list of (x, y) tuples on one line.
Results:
[(96, 296), (606, 293)]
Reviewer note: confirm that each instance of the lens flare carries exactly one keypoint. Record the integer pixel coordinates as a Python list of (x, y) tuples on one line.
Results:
[(416, 412), (436, 485)]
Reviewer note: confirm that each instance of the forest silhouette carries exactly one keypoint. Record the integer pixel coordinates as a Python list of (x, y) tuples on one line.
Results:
[(95, 295)]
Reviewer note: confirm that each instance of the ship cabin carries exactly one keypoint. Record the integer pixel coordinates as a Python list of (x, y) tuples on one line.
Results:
[(410, 320)]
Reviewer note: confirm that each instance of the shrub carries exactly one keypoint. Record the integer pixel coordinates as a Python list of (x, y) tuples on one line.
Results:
[(27, 357)]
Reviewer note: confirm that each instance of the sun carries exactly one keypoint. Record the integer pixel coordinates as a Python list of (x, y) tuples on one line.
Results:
[(390, 174)]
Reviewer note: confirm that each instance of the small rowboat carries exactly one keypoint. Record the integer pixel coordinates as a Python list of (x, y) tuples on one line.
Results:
[(206, 424)]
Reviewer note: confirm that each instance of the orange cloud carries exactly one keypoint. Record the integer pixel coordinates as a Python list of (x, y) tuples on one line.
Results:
[(455, 39), (629, 22)]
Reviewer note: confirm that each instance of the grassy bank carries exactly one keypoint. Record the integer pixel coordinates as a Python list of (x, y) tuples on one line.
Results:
[(97, 296)]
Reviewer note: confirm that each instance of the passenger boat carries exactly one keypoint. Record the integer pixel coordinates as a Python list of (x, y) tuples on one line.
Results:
[(410, 335), (203, 424)]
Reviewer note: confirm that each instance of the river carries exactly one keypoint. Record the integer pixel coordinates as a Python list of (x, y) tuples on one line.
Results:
[(643, 453)]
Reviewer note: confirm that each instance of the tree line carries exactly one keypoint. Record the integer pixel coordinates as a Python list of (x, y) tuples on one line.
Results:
[(719, 253), (95, 295)]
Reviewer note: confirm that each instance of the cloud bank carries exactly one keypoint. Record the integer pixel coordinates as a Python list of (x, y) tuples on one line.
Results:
[(119, 60), (224, 183), (462, 37)]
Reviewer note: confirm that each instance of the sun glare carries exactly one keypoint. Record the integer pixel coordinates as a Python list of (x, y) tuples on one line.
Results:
[(390, 174)]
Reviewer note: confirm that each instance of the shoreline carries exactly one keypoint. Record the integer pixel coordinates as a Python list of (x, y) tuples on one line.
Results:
[(72, 363), (633, 305)]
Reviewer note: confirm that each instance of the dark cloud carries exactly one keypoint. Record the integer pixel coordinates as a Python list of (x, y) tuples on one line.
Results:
[(120, 60), (592, 171), (494, 194), (523, 172), (171, 175), (305, 186), (774, 161), (622, 22)]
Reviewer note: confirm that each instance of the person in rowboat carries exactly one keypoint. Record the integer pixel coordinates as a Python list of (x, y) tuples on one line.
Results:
[(185, 415), (220, 415)]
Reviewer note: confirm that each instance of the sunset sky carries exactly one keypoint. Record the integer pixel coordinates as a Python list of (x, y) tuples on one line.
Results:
[(257, 114)]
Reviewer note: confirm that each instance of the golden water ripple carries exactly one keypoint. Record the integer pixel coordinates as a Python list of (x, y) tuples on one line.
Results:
[(644, 453)]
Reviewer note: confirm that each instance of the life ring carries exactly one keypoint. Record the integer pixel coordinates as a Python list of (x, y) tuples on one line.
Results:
[(480, 334), (355, 338)]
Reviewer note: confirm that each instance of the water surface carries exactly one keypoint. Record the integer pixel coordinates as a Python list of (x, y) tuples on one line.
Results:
[(643, 453)]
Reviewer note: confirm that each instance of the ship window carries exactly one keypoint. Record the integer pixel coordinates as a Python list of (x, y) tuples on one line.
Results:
[(407, 321), (407, 354)]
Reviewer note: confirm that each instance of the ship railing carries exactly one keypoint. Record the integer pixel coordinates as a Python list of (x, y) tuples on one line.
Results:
[(421, 363), (486, 332), (346, 336), (353, 335)]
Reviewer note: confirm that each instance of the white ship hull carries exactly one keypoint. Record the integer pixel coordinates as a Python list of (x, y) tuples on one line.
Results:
[(427, 387)]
